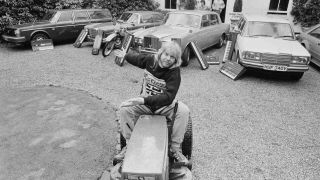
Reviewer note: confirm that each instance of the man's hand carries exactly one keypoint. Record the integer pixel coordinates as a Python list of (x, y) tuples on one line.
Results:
[(132, 102), (119, 53)]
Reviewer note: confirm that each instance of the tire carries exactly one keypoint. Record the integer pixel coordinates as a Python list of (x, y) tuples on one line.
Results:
[(122, 141), (221, 41), (186, 57), (107, 49), (296, 76), (186, 145), (39, 36)]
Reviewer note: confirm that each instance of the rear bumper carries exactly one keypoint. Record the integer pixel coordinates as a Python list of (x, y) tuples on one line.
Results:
[(14, 39), (290, 68)]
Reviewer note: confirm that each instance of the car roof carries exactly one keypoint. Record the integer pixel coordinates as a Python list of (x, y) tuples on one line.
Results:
[(143, 12), (195, 12), (80, 9), (262, 18)]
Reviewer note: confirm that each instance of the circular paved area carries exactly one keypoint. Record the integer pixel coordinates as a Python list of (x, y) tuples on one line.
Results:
[(54, 133)]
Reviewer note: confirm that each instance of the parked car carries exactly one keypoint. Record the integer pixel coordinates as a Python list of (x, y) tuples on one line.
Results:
[(59, 25), (185, 26), (310, 39), (270, 44), (131, 20)]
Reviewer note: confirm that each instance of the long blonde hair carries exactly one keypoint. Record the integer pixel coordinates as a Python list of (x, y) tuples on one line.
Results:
[(173, 49)]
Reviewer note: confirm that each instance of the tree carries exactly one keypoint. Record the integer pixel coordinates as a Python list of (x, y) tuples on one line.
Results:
[(306, 12)]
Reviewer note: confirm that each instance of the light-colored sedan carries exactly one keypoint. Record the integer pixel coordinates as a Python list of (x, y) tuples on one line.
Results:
[(270, 44), (203, 27), (311, 41)]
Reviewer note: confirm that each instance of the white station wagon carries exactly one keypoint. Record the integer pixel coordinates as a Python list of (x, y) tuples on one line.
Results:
[(270, 44)]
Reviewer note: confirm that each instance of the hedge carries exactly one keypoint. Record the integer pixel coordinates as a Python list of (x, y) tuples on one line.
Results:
[(22, 11)]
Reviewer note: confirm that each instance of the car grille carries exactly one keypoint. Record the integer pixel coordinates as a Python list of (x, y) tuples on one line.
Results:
[(151, 42), (280, 59)]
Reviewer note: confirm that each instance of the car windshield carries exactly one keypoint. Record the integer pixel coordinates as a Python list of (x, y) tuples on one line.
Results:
[(269, 29), (129, 18), (49, 16), (187, 20)]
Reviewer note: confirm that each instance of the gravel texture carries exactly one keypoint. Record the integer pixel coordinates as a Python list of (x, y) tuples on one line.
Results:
[(261, 126)]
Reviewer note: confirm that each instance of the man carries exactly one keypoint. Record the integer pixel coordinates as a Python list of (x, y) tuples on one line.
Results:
[(160, 85), (218, 6)]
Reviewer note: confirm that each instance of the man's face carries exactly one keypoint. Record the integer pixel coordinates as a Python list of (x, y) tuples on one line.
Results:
[(166, 60)]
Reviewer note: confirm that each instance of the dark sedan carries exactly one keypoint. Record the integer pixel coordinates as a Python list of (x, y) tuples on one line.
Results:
[(60, 25)]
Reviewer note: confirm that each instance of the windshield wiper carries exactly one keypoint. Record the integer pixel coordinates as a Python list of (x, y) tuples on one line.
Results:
[(264, 35), (284, 37)]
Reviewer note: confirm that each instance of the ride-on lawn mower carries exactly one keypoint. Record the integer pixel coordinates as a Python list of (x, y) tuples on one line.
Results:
[(147, 156)]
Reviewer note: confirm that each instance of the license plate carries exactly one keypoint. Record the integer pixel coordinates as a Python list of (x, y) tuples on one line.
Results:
[(275, 67)]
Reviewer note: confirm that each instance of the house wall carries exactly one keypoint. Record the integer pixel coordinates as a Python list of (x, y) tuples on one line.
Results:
[(260, 7)]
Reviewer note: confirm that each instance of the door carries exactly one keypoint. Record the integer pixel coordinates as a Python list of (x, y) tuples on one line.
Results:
[(81, 18), (65, 26), (315, 43)]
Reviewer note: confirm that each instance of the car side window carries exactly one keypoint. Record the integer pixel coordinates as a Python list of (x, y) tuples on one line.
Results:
[(205, 21), (66, 16), (213, 19), (80, 15), (316, 33), (99, 14), (147, 18), (157, 18)]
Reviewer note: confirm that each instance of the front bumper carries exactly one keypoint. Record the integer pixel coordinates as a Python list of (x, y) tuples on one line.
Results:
[(290, 67), (14, 39)]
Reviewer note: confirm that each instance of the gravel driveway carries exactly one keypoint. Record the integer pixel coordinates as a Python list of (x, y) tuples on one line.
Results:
[(258, 127)]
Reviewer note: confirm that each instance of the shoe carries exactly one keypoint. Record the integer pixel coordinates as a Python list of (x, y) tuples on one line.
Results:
[(119, 157), (178, 157)]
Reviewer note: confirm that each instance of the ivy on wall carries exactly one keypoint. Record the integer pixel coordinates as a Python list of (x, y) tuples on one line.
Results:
[(306, 12)]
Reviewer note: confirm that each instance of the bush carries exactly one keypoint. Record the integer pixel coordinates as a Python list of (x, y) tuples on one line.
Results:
[(306, 12), (190, 4)]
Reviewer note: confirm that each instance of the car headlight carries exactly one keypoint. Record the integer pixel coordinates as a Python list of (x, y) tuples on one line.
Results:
[(17, 32), (252, 55), (300, 60)]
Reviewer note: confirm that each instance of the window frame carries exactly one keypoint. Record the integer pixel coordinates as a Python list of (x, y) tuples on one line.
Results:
[(278, 11), (86, 13)]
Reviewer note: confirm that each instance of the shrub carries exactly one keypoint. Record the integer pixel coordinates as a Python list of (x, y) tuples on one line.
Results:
[(306, 12)]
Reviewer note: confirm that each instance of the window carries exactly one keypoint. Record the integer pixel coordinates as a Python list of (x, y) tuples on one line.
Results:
[(213, 19), (316, 33), (100, 14), (81, 15), (170, 4), (147, 18), (65, 16), (278, 5), (205, 21), (158, 18)]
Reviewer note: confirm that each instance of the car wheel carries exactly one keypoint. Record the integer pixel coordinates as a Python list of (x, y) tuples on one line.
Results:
[(186, 145), (39, 37), (296, 75), (221, 41), (107, 49), (186, 57)]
